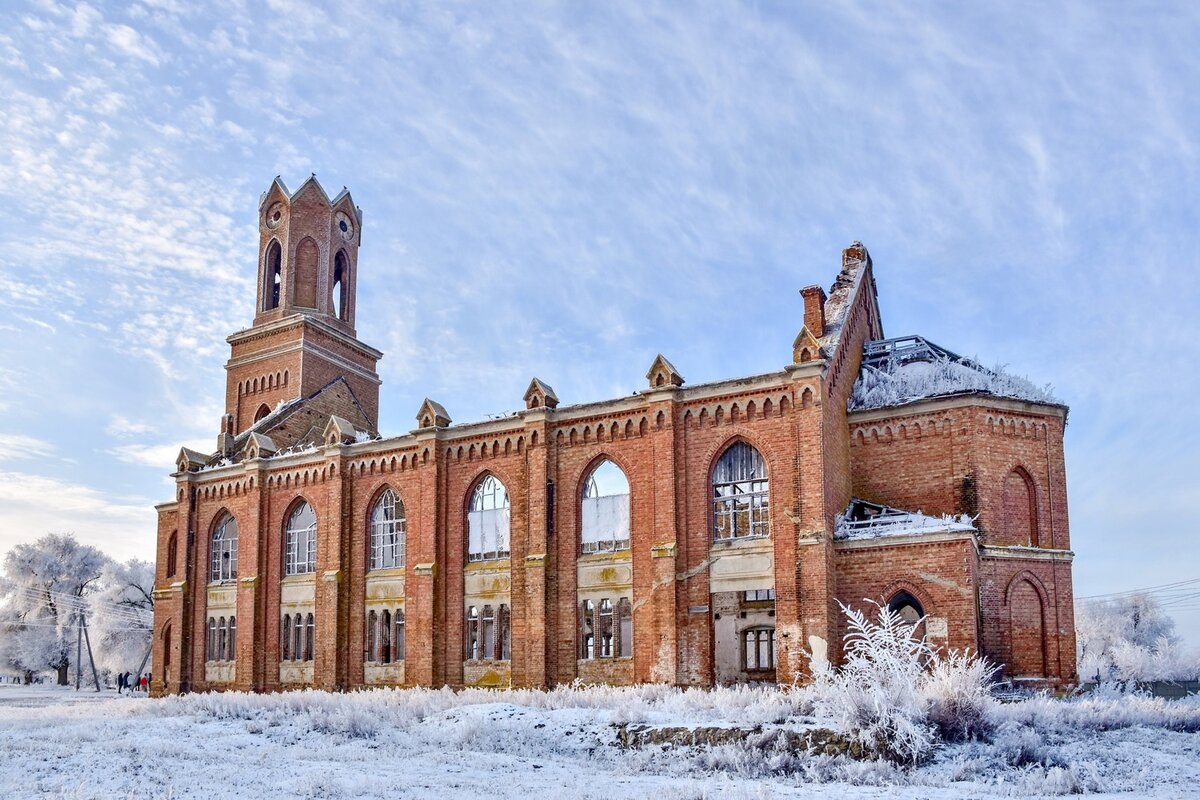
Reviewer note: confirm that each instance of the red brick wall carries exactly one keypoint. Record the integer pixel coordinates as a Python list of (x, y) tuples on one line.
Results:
[(941, 575)]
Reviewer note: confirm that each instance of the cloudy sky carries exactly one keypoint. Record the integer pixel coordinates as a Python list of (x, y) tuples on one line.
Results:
[(565, 190)]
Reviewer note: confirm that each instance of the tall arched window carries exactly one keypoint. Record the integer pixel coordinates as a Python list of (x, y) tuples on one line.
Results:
[(604, 523), (273, 276), (398, 636), (385, 638), (172, 554), (300, 542), (487, 521), (231, 651), (262, 412), (740, 494), (285, 639), (213, 653), (387, 532), (340, 287), (224, 549), (167, 643), (587, 632), (472, 642)]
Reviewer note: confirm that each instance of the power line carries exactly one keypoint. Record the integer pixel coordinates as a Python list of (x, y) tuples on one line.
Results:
[(1146, 590)]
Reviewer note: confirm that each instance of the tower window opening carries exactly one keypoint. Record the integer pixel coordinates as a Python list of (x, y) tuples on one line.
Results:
[(274, 274), (340, 286)]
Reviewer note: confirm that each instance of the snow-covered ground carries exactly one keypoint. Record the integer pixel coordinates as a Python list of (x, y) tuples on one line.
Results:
[(436, 744)]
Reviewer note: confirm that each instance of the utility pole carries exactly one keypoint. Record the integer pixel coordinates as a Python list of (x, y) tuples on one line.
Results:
[(91, 658), (78, 653)]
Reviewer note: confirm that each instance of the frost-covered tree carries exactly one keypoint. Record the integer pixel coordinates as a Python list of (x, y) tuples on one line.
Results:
[(121, 611), (1130, 639), (43, 584)]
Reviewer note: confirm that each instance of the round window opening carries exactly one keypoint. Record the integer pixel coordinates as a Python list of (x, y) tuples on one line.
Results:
[(343, 226)]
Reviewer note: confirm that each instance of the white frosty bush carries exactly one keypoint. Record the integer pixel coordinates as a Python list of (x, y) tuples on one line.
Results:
[(895, 695), (957, 688)]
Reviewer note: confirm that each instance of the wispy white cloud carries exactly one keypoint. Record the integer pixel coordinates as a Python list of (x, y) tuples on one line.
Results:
[(158, 456), (32, 505), (15, 446), (123, 427), (128, 41)]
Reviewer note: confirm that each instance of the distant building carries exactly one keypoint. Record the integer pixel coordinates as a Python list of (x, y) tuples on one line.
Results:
[(686, 534)]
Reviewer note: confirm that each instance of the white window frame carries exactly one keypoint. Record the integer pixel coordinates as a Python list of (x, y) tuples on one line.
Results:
[(489, 497), (388, 532), (300, 543), (740, 492), (224, 544)]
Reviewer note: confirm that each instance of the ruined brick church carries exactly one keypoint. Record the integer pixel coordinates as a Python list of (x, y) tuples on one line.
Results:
[(692, 535)]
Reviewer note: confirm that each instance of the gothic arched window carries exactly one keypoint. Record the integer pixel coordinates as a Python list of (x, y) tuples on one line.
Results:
[(273, 276), (340, 287), (387, 532), (487, 521), (604, 522), (300, 542), (739, 485), (910, 610), (224, 555)]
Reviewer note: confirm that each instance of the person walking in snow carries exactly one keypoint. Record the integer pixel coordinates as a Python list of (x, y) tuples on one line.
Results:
[(120, 681)]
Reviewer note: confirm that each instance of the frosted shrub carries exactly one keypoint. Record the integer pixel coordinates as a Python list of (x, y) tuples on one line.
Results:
[(895, 696), (874, 697), (957, 690)]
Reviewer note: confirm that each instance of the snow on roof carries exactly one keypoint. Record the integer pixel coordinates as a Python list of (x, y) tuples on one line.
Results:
[(898, 371), (864, 520)]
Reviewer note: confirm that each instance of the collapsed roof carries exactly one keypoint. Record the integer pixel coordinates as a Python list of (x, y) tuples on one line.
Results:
[(866, 520), (908, 368)]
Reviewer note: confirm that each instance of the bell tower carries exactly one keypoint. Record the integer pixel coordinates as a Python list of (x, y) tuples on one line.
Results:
[(303, 335), (308, 254)]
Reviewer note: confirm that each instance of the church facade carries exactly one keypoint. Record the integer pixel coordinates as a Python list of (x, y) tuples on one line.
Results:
[(692, 535)]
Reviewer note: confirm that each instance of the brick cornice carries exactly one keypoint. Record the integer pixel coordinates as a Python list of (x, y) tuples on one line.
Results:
[(1026, 553), (301, 320), (904, 541), (938, 404)]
